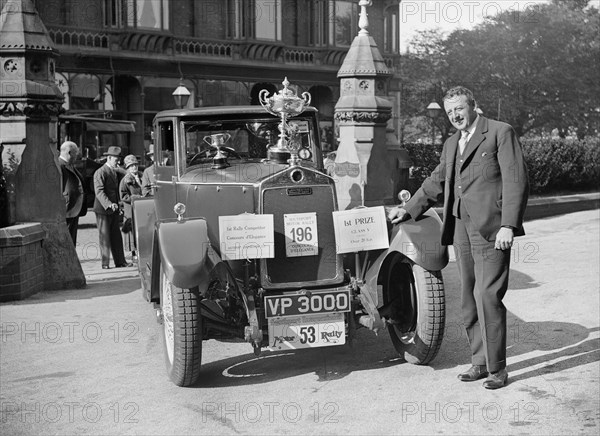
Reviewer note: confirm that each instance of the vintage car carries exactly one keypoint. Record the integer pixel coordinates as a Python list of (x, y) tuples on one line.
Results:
[(239, 241)]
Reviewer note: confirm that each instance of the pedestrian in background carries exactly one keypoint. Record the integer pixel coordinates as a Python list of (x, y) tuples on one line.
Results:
[(106, 207), (72, 187), (130, 188), (148, 175), (483, 179)]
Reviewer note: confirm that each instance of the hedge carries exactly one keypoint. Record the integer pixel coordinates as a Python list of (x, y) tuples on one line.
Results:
[(554, 164)]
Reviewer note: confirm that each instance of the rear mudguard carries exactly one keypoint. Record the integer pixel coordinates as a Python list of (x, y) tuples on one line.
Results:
[(184, 251), (419, 240)]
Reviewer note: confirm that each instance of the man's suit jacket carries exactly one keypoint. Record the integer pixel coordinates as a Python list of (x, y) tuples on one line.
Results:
[(72, 190), (106, 188), (494, 181)]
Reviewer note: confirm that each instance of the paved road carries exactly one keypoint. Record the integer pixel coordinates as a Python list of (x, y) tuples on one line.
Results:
[(90, 362)]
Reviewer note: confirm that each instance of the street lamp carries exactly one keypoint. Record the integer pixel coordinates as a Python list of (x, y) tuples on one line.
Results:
[(181, 95), (434, 110)]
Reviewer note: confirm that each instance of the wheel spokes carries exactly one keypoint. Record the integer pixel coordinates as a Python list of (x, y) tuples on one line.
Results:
[(168, 321), (404, 306)]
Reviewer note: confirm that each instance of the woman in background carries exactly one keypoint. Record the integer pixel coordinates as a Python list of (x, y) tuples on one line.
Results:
[(129, 188)]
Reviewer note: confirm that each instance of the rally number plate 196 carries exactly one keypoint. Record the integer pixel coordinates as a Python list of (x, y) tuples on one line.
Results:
[(307, 331), (306, 303)]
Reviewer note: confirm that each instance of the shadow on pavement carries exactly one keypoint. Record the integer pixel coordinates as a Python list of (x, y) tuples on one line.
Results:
[(95, 289), (568, 343), (519, 281), (560, 337), (368, 353)]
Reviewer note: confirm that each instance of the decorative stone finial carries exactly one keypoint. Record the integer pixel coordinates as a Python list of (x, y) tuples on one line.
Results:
[(363, 21)]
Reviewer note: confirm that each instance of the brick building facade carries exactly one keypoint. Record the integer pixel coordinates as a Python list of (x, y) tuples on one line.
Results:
[(124, 58)]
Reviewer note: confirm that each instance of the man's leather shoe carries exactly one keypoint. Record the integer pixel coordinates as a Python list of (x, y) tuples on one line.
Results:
[(475, 372), (496, 380), (105, 267), (124, 265)]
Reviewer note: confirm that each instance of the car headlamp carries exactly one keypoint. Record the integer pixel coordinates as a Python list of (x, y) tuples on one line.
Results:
[(179, 210), (404, 196)]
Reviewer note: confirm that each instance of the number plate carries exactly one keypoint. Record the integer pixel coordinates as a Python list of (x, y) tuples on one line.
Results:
[(307, 331), (307, 303)]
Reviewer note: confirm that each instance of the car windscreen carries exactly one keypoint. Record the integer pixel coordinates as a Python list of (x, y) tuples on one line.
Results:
[(248, 138)]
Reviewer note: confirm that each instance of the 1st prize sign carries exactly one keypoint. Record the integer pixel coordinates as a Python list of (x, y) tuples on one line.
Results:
[(247, 236), (360, 229)]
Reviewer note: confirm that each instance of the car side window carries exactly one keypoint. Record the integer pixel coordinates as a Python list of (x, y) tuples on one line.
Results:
[(166, 146)]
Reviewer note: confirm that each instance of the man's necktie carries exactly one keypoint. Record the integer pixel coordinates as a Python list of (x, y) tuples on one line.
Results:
[(464, 138)]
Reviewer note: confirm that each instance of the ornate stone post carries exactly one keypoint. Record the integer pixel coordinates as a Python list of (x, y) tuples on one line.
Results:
[(29, 104), (362, 168)]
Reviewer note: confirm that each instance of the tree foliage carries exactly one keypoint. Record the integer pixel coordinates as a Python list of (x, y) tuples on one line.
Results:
[(536, 69), (422, 73)]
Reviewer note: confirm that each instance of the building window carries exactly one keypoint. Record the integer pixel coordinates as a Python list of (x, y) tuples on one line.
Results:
[(112, 13), (267, 16), (166, 144), (85, 93), (261, 19), (317, 22), (345, 22), (148, 14), (238, 22), (391, 36)]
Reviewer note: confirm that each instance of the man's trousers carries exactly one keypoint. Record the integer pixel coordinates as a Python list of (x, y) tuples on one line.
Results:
[(483, 274), (110, 239)]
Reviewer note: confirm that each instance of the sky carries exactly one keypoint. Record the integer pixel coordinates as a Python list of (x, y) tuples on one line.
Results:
[(448, 15)]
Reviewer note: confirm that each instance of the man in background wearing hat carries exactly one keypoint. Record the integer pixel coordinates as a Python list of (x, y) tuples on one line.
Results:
[(148, 175), (106, 207), (72, 187)]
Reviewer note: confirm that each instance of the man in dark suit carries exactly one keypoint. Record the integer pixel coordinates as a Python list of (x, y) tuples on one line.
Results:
[(72, 187), (106, 207), (483, 178)]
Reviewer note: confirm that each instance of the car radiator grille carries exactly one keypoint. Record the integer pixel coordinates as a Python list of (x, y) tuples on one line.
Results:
[(303, 271)]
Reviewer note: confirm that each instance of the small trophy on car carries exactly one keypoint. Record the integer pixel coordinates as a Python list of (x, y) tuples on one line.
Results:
[(218, 141), (284, 104)]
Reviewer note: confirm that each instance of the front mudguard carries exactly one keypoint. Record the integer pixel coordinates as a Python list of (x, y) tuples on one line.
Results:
[(417, 239), (182, 247)]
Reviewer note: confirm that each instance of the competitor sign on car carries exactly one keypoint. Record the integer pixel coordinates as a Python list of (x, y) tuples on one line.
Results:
[(243, 239)]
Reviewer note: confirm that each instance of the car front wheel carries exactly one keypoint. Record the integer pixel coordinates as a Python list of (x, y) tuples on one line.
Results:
[(182, 332), (417, 309)]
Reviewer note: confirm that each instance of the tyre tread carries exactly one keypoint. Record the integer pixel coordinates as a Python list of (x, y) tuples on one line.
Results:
[(188, 338), (431, 324)]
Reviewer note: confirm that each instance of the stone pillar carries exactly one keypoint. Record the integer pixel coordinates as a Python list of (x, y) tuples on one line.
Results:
[(362, 165), (29, 104)]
